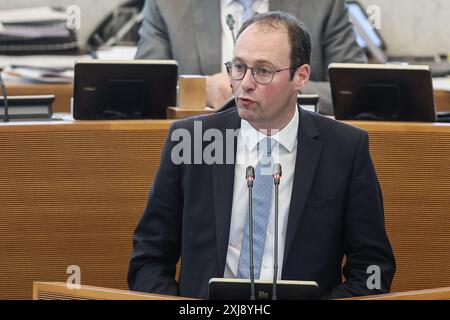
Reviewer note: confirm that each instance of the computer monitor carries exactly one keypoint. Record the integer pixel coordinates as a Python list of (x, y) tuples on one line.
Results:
[(134, 89), (382, 92)]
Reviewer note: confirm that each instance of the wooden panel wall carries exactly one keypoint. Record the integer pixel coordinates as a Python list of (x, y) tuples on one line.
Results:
[(413, 166), (71, 194), (63, 93)]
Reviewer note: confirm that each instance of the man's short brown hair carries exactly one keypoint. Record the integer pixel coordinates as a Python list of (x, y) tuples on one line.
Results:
[(299, 38)]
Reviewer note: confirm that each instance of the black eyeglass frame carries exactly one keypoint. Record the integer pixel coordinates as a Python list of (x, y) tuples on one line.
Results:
[(229, 64)]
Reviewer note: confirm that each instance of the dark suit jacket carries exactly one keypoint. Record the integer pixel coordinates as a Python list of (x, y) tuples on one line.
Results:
[(189, 31), (336, 209)]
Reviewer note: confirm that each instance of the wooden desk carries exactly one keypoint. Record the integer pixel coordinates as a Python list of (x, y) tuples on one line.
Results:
[(60, 291), (442, 100), (429, 294), (72, 193), (63, 93), (176, 113), (413, 165)]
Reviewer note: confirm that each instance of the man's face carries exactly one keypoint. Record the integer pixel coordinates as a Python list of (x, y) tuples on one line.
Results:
[(268, 106)]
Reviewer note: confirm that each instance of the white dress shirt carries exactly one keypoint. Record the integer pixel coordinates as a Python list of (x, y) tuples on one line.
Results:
[(235, 8), (284, 152)]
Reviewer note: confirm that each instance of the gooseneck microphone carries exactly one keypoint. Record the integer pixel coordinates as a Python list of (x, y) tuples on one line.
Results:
[(250, 176), (5, 98), (230, 23), (276, 181)]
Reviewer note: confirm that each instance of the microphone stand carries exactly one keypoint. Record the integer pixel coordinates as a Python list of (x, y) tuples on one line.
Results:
[(276, 180), (230, 24), (5, 98), (250, 176)]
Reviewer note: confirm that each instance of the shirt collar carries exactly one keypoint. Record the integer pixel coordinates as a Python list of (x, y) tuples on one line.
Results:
[(286, 137)]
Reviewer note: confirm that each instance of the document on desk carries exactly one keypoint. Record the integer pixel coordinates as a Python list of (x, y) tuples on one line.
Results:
[(442, 84), (31, 32), (42, 61), (36, 29), (40, 74), (116, 53), (31, 15), (41, 69)]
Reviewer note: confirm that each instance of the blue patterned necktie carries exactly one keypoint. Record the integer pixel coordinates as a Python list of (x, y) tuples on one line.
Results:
[(248, 9), (262, 199)]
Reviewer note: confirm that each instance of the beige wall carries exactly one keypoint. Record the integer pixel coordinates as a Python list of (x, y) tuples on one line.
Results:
[(414, 27)]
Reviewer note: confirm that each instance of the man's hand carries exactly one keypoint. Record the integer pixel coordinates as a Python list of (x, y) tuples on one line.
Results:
[(218, 90)]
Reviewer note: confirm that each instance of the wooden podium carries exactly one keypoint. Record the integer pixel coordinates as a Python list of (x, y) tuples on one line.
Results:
[(62, 182), (430, 294), (61, 291)]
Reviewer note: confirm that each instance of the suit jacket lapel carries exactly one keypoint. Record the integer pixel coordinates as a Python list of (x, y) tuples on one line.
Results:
[(223, 185), (308, 155), (284, 5), (208, 31)]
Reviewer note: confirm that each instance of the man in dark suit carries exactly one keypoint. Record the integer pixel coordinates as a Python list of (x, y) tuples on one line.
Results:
[(193, 32), (330, 200)]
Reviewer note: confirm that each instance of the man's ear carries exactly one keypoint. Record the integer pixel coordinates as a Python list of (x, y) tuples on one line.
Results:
[(301, 76)]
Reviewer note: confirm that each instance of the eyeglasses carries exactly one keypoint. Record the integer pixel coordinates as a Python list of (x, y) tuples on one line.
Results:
[(262, 75)]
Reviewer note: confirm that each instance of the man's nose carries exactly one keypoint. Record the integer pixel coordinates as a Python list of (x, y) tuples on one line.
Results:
[(248, 83)]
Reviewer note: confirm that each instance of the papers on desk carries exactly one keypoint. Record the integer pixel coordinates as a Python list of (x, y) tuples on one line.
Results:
[(39, 29), (56, 68), (116, 53), (40, 69), (42, 75), (31, 15), (31, 32), (42, 61), (442, 84)]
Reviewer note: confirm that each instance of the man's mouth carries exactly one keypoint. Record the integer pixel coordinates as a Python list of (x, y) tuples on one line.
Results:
[(246, 101)]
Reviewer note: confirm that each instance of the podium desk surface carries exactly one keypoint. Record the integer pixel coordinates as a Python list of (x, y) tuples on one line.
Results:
[(427, 294), (146, 125), (64, 291), (84, 125)]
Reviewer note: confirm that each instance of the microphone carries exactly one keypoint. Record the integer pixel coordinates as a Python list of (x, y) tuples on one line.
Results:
[(5, 98), (276, 181), (230, 24), (250, 176)]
